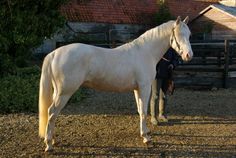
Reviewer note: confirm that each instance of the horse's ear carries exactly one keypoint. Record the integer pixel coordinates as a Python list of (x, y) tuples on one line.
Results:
[(177, 21), (186, 20)]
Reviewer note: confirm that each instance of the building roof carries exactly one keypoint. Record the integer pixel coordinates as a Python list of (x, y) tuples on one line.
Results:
[(111, 11), (189, 8), (226, 9), (128, 11), (231, 11)]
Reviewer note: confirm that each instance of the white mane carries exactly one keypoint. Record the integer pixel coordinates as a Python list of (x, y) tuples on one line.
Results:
[(150, 35)]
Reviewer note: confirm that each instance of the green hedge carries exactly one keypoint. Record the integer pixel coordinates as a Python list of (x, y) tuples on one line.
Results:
[(19, 93)]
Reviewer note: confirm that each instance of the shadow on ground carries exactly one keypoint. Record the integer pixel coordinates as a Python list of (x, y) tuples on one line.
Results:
[(185, 102), (155, 150)]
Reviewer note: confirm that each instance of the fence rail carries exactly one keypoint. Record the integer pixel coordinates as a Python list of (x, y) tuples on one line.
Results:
[(213, 65)]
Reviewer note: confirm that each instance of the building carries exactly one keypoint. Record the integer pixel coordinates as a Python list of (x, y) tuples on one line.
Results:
[(114, 21), (189, 8), (217, 21), (102, 22)]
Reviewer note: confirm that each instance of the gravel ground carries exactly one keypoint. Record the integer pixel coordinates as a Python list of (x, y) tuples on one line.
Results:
[(202, 124)]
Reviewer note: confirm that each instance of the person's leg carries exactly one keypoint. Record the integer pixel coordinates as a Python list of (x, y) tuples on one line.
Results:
[(162, 102)]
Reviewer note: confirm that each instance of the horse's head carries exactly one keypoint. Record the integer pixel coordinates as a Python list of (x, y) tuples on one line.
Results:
[(179, 39)]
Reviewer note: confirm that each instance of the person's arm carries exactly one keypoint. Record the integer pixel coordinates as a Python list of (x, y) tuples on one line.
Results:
[(174, 60), (157, 69)]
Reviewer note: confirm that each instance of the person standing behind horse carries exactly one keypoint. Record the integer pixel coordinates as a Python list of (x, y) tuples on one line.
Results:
[(163, 85)]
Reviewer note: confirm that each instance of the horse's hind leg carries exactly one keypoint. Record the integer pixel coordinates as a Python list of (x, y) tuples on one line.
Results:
[(53, 111)]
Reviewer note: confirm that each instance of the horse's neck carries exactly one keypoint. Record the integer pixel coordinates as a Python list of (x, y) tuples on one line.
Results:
[(154, 42), (158, 47), (159, 42)]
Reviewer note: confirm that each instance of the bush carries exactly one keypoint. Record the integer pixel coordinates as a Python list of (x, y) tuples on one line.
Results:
[(78, 96), (19, 93), (27, 25), (6, 65), (163, 15)]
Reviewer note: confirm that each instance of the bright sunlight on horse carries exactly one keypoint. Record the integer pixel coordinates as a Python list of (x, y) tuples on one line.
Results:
[(130, 67)]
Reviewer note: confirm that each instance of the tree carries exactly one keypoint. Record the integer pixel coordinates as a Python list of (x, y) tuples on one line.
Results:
[(163, 14), (24, 24)]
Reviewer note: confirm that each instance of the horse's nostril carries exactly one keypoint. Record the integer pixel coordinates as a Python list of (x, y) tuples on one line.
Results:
[(188, 56)]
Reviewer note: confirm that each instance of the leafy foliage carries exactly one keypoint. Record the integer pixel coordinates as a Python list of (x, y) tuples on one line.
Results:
[(19, 92), (24, 24), (163, 15)]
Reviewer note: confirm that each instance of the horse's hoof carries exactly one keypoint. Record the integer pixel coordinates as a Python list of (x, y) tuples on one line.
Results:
[(53, 142), (154, 121), (162, 119), (147, 139), (48, 149), (148, 132), (149, 144)]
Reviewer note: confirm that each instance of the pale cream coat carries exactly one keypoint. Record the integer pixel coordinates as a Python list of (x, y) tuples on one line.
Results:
[(130, 67)]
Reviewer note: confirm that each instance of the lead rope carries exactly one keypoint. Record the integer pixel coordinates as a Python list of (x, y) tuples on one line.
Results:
[(165, 59)]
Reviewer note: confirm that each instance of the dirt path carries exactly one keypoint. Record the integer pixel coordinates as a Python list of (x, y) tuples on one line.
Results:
[(202, 124)]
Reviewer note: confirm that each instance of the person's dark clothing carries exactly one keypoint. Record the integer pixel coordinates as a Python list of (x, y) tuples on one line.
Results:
[(162, 68), (165, 71)]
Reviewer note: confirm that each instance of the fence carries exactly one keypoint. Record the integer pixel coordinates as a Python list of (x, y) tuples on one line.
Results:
[(213, 65), (112, 38)]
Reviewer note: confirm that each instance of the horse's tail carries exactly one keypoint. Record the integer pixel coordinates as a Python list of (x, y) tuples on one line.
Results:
[(45, 94)]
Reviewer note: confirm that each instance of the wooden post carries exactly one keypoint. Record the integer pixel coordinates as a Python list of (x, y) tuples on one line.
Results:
[(219, 59), (226, 65)]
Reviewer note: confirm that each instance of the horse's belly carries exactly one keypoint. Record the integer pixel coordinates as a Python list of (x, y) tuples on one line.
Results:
[(113, 87)]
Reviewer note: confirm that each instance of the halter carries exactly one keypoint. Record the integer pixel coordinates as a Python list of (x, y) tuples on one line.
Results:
[(173, 38)]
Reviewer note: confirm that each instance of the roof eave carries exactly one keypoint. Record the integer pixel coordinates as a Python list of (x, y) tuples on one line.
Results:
[(209, 8)]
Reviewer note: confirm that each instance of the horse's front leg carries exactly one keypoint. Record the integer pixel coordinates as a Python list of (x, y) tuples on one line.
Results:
[(153, 102), (136, 94), (144, 93)]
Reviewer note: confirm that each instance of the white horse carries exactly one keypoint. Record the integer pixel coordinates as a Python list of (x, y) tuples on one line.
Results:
[(130, 67)]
